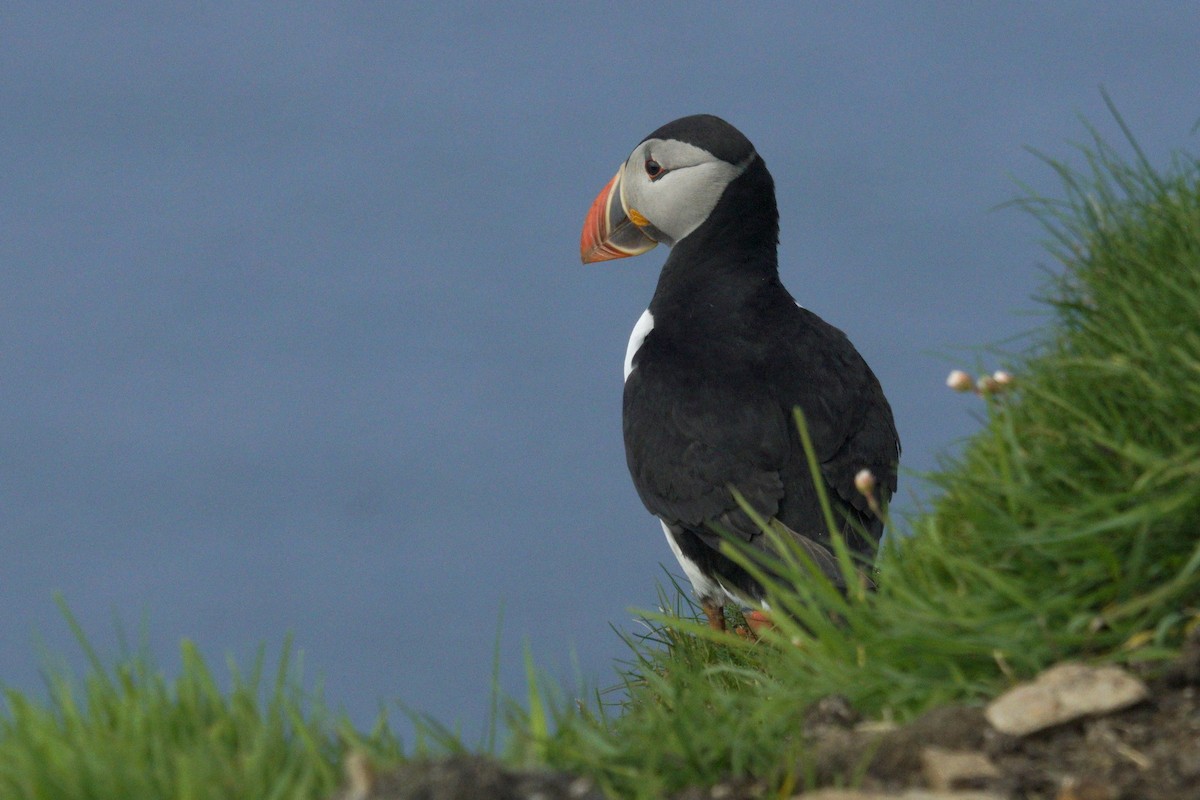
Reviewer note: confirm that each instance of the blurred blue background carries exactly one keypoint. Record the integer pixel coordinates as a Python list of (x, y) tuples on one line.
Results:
[(294, 335)]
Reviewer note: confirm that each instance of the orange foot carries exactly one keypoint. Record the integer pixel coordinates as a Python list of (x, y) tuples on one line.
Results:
[(759, 621), (756, 623), (715, 613)]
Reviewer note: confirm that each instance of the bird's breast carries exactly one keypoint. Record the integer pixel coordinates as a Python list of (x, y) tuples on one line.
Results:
[(641, 330)]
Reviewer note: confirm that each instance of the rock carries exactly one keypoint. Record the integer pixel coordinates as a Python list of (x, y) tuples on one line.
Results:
[(910, 794), (1063, 693), (461, 777), (957, 769), (733, 789), (890, 754), (832, 712), (1086, 789)]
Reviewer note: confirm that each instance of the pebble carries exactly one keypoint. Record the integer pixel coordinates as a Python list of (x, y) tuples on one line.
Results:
[(1063, 693)]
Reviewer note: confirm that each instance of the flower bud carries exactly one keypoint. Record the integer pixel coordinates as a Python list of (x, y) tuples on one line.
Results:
[(960, 381), (864, 481)]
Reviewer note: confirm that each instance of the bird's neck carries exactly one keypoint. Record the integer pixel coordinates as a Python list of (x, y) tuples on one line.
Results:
[(724, 266)]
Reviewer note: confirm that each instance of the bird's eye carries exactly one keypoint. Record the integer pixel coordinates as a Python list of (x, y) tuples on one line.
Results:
[(653, 168)]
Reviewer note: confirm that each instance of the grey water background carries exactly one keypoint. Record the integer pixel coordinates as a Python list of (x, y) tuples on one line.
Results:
[(294, 337)]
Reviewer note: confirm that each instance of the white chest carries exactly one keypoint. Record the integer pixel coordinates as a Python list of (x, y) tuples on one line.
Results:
[(644, 325)]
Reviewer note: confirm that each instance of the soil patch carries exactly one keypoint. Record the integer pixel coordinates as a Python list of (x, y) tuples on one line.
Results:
[(1148, 751)]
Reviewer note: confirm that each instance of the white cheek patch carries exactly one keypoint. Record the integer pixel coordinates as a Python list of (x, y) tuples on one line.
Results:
[(681, 200), (641, 330)]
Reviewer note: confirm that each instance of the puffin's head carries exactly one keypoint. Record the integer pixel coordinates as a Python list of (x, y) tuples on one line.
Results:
[(666, 189)]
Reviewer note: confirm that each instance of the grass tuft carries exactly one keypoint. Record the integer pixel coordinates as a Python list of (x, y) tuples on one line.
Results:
[(130, 733)]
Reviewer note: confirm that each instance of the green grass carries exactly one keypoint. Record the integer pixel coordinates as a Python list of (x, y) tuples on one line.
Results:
[(130, 733), (1068, 527)]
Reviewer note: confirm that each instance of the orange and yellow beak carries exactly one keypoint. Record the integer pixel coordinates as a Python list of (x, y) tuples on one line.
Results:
[(608, 232)]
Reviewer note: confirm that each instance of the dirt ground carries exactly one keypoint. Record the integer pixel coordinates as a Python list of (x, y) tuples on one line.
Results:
[(1149, 751)]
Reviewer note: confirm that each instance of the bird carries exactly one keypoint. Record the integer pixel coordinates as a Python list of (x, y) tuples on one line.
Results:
[(719, 361)]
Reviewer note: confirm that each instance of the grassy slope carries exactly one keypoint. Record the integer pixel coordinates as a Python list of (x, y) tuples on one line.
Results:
[(1067, 528)]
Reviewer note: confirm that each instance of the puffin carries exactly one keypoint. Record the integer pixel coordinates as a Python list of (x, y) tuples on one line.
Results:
[(720, 360)]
